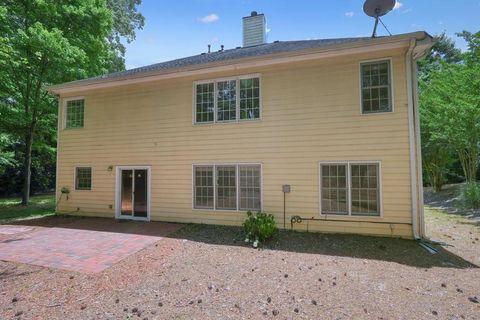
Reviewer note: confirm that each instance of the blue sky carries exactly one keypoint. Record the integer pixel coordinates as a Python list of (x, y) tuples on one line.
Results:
[(175, 29)]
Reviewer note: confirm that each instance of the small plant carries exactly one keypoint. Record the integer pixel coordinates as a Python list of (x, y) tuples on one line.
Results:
[(259, 227), (470, 195)]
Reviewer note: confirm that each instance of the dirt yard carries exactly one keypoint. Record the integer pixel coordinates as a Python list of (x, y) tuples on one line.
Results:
[(207, 272)]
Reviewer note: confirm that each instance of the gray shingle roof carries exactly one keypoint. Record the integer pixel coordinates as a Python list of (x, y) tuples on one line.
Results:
[(233, 54)]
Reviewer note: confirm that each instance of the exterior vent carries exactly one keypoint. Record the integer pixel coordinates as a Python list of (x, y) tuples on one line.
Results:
[(254, 29)]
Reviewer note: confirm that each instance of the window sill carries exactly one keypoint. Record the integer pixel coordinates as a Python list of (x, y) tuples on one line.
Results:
[(352, 217), (225, 210), (375, 113), (227, 122)]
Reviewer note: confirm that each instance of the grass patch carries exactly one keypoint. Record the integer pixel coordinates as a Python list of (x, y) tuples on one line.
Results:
[(40, 206)]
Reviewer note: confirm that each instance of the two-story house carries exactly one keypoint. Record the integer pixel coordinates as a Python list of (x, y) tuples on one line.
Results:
[(334, 123)]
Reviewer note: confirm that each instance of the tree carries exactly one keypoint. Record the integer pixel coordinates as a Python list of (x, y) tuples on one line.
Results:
[(436, 154), (48, 42), (126, 19), (450, 103)]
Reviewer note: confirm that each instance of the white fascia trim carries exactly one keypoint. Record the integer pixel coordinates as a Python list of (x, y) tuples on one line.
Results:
[(411, 135)]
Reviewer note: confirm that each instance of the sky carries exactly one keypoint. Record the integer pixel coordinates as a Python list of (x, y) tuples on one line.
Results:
[(181, 28)]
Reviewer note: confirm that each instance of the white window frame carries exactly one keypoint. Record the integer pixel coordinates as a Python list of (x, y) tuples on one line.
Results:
[(349, 214), (64, 112), (237, 182), (75, 178), (237, 93), (392, 87)]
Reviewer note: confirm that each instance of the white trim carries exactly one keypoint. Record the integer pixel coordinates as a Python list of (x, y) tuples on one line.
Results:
[(418, 143), (118, 195), (392, 87), (59, 123), (349, 214), (237, 173), (411, 139), (75, 178), (64, 112), (237, 100)]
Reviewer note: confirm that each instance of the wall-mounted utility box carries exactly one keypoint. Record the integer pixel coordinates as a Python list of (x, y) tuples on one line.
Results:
[(286, 188)]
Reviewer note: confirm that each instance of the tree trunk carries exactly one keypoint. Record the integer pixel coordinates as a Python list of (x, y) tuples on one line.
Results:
[(27, 165), (468, 159)]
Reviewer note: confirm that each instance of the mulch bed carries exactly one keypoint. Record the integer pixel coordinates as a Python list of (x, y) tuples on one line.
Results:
[(208, 272)]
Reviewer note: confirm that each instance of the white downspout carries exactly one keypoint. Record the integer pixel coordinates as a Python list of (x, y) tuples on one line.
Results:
[(418, 144), (411, 136), (59, 124)]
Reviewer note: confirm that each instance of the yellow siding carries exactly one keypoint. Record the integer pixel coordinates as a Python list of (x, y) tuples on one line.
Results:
[(310, 113)]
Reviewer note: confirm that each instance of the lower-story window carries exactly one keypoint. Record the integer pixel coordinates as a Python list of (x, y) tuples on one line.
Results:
[(350, 188), (227, 187), (83, 178), (203, 191)]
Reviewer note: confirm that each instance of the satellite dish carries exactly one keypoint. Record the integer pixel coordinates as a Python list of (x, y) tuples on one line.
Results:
[(376, 9)]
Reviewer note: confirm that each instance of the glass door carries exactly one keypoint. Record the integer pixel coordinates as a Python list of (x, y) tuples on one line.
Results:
[(140, 193), (134, 193)]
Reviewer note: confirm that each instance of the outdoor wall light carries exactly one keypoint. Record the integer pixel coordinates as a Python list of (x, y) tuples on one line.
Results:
[(110, 168)]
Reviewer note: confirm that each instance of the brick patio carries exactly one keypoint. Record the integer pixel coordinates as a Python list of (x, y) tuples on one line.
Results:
[(84, 245)]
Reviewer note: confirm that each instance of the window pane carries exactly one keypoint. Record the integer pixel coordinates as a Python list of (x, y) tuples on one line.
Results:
[(83, 178), (250, 98), (74, 113), (226, 188), (334, 188), (376, 87), (226, 100), (364, 181), (250, 188), (204, 102), (203, 188)]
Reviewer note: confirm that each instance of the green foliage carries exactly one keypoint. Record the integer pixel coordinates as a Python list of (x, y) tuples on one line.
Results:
[(470, 195), (126, 20), (449, 87), (259, 226), (45, 42)]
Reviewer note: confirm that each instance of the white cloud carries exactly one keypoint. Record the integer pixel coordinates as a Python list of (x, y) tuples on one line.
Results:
[(398, 5), (349, 14), (209, 18)]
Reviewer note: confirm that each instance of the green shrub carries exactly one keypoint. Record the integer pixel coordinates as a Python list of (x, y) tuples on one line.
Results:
[(259, 227), (470, 195)]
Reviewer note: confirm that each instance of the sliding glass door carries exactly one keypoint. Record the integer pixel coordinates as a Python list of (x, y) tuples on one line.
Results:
[(133, 193)]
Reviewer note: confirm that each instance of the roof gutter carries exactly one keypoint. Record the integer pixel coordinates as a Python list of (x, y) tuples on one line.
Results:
[(235, 65)]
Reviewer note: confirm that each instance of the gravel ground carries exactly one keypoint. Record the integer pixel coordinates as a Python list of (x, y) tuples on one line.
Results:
[(207, 272)]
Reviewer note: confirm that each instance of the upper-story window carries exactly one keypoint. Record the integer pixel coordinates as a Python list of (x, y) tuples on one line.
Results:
[(228, 100), (376, 87), (74, 113)]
